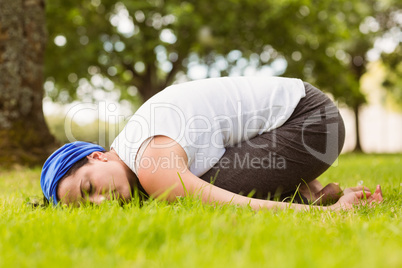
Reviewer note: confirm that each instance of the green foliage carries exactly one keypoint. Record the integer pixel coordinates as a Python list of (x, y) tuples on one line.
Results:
[(189, 234), (393, 78), (323, 42), (319, 41)]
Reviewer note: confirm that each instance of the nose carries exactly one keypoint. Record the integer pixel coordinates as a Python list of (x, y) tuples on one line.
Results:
[(98, 199)]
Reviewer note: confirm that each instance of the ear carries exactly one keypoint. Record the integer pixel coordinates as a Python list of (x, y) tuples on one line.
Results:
[(97, 156)]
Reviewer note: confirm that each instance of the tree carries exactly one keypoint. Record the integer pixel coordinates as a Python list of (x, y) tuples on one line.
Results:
[(393, 59), (378, 19), (359, 25), (323, 42), (24, 136), (165, 38), (393, 79)]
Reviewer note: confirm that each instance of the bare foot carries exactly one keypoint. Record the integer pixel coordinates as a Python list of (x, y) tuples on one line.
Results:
[(314, 192), (308, 190), (330, 194)]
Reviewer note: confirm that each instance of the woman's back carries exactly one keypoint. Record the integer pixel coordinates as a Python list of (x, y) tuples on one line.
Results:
[(205, 116)]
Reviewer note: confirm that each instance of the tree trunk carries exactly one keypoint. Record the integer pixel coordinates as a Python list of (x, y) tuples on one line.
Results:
[(358, 147), (24, 136)]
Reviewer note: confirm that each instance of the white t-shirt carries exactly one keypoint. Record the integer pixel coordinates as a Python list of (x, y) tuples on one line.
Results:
[(205, 116)]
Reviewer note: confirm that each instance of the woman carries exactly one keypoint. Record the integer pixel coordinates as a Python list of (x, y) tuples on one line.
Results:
[(265, 137)]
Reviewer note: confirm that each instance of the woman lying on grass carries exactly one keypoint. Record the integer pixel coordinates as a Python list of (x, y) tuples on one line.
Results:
[(269, 138)]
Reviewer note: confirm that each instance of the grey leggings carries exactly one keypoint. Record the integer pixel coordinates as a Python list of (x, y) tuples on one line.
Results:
[(273, 164)]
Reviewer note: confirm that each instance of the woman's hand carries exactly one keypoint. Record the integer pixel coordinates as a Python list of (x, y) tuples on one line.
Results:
[(376, 198), (356, 189), (360, 197)]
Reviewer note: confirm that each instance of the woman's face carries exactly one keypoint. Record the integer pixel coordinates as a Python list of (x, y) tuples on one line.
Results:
[(103, 177)]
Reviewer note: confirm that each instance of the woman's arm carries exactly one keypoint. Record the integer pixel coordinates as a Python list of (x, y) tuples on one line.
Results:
[(161, 165)]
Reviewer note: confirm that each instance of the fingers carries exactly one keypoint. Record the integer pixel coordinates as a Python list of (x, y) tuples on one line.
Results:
[(356, 189), (360, 197), (363, 194), (366, 189), (378, 190), (377, 196)]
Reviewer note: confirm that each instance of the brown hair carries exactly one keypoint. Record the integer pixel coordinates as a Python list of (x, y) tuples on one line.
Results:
[(80, 163)]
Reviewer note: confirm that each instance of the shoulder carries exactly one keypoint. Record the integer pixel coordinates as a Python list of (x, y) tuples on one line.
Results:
[(161, 153), (160, 164)]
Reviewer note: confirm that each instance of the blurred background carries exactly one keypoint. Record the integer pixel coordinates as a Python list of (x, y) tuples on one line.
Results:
[(77, 70)]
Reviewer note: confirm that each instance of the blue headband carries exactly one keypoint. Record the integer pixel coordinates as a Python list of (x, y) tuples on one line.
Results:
[(57, 165)]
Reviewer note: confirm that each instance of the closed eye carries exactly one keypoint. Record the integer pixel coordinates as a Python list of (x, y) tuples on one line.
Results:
[(88, 190)]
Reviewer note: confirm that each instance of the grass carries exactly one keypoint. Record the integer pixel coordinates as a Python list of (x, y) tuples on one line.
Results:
[(189, 234)]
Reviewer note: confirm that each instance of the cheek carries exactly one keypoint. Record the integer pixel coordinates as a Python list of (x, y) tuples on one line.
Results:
[(124, 189), (119, 183)]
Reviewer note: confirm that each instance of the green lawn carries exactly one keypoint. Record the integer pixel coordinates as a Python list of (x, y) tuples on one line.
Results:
[(189, 234)]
